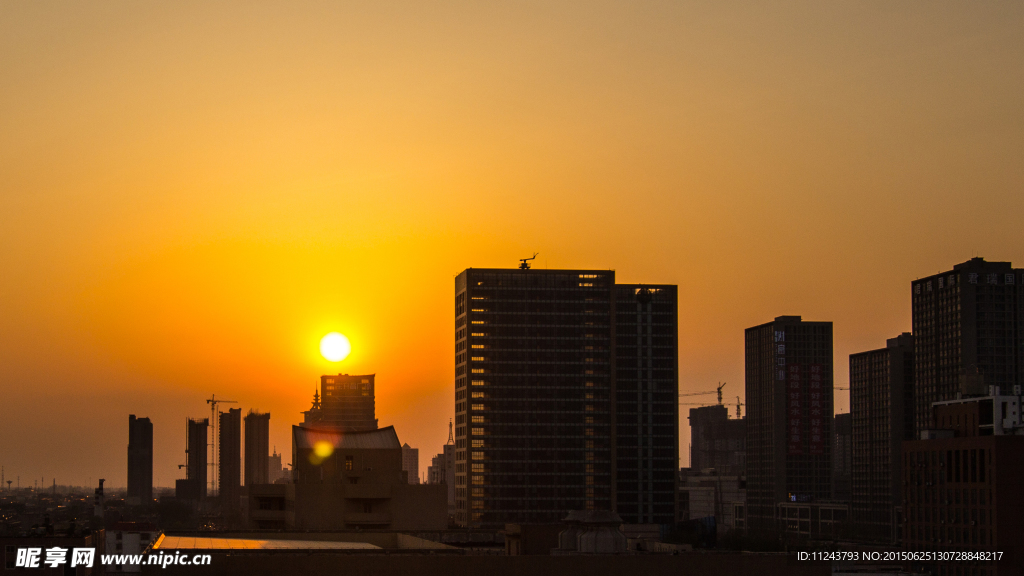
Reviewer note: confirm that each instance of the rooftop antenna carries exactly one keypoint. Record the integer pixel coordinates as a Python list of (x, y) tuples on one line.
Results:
[(213, 401), (720, 386), (451, 439), (524, 263)]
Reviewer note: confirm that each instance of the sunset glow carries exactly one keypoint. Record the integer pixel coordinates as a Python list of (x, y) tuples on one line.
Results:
[(192, 194)]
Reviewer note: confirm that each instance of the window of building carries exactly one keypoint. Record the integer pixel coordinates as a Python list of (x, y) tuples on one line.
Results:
[(348, 463)]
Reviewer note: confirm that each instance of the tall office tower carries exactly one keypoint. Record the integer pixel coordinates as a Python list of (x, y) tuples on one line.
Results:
[(881, 384), (257, 448), (140, 460), (197, 434), (229, 455), (789, 415), (535, 396), (346, 403), (842, 457), (717, 442), (646, 403), (968, 333)]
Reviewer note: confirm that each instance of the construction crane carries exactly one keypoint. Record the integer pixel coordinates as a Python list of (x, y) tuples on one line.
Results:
[(738, 404), (213, 401), (720, 386), (524, 263), (839, 388), (718, 390)]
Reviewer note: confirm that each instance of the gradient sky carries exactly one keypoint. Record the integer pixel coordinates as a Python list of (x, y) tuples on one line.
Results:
[(193, 193)]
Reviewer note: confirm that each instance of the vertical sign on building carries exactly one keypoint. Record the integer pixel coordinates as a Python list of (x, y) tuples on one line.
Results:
[(816, 412), (794, 410)]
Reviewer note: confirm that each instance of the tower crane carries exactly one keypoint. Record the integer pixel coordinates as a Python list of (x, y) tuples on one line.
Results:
[(213, 401), (738, 404), (524, 263)]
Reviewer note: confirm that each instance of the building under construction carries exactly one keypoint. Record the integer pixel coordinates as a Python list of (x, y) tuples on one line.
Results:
[(193, 487)]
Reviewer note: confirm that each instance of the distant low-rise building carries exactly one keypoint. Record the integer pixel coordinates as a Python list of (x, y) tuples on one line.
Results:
[(411, 463)]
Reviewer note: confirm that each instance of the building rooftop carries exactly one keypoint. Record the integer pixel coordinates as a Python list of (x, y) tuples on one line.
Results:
[(367, 439)]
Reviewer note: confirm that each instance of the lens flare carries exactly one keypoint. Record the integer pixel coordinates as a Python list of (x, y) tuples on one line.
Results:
[(335, 347), (323, 449)]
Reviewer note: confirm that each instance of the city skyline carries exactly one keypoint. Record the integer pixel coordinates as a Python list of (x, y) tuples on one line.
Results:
[(193, 196)]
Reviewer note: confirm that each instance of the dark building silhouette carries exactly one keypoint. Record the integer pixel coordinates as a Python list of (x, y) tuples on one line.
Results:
[(193, 487), (257, 448), (645, 411), (345, 403), (229, 454), (140, 460), (717, 442), (842, 457), (536, 397), (882, 408), (968, 333), (962, 494), (345, 480), (789, 416)]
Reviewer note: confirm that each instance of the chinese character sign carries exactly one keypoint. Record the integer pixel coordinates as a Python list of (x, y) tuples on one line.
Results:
[(794, 411), (816, 411)]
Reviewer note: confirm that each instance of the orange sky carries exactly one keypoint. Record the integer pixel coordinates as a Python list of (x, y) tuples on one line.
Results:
[(192, 194)]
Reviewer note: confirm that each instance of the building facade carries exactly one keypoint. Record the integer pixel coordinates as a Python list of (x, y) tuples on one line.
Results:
[(842, 457), (193, 487), (789, 416), (882, 408), (257, 448), (140, 460), (716, 442), (968, 333), (229, 459), (962, 495), (645, 411), (347, 481), (347, 403), (536, 397)]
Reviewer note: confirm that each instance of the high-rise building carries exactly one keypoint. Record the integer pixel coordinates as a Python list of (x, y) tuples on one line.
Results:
[(968, 333), (645, 407), (257, 448), (411, 463), (882, 408), (229, 456), (140, 460), (346, 404), (842, 457), (536, 397), (193, 487), (717, 442), (789, 416)]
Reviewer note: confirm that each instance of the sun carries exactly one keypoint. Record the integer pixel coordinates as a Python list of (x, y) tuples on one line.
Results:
[(335, 347)]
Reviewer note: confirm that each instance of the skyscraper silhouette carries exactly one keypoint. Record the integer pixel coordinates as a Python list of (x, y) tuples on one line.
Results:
[(140, 460), (536, 397)]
